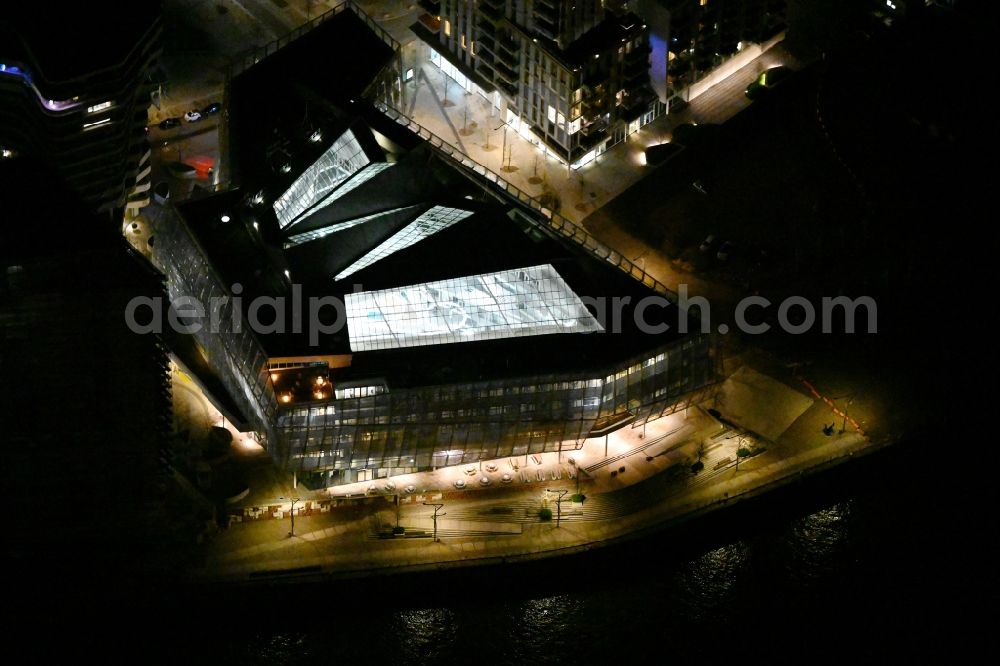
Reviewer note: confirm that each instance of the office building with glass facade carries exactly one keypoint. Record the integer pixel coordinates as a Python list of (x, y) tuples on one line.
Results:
[(458, 323)]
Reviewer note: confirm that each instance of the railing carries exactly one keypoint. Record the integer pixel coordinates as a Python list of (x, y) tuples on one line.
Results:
[(253, 56), (555, 222)]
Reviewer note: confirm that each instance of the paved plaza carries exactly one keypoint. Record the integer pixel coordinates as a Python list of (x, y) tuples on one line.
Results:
[(640, 481)]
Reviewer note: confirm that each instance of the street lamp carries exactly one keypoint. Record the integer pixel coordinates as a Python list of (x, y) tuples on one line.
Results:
[(843, 426), (558, 503), (437, 507), (504, 156), (291, 532), (739, 447)]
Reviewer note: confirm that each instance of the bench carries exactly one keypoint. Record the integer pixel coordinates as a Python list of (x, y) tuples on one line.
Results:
[(722, 463)]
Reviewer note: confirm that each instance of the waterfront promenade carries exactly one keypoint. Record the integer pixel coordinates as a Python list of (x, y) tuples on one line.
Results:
[(499, 522)]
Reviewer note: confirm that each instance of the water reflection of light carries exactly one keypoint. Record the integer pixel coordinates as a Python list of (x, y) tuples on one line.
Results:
[(422, 633), (711, 579), (817, 542), (552, 620)]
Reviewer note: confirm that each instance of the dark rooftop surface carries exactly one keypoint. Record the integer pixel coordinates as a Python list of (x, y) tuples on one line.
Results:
[(276, 107), (489, 240), (276, 104), (68, 40)]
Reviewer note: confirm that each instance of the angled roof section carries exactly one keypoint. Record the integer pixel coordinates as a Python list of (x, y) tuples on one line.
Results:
[(521, 302), (316, 234), (412, 179), (324, 256), (428, 223), (339, 162)]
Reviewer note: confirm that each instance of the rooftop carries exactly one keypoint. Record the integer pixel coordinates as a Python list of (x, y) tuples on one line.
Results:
[(444, 278)]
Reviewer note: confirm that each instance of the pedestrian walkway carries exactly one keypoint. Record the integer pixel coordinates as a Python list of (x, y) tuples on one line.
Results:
[(470, 122), (502, 524)]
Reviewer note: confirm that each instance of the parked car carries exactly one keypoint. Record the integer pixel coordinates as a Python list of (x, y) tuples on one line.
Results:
[(192, 116), (170, 123), (212, 108), (708, 243), (725, 251)]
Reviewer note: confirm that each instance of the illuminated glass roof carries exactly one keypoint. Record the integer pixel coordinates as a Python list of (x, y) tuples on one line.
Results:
[(429, 223), (359, 178), (506, 304), (343, 159), (307, 236)]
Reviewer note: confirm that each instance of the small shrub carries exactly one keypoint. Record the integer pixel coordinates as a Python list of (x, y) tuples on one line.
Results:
[(399, 529), (743, 452), (545, 514), (697, 467), (578, 498)]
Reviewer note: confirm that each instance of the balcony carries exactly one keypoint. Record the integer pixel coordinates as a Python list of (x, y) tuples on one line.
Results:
[(483, 55), (547, 12), (544, 26), (492, 14), (486, 29), (506, 72), (508, 51)]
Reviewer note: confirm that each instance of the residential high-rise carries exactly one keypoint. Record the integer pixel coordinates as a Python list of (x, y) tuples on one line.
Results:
[(74, 94), (693, 37), (571, 75)]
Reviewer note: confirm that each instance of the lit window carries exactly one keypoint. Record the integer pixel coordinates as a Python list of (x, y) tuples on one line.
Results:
[(447, 27), (99, 107), (96, 124)]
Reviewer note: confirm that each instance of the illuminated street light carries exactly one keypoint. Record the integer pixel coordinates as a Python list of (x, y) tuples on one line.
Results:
[(291, 532), (558, 503), (437, 507)]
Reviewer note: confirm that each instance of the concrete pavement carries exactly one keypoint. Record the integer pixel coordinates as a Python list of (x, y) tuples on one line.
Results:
[(470, 123), (493, 525)]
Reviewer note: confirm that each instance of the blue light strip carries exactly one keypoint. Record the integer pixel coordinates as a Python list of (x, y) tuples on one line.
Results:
[(51, 105)]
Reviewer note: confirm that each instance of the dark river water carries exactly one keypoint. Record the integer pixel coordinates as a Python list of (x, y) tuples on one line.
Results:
[(878, 559)]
